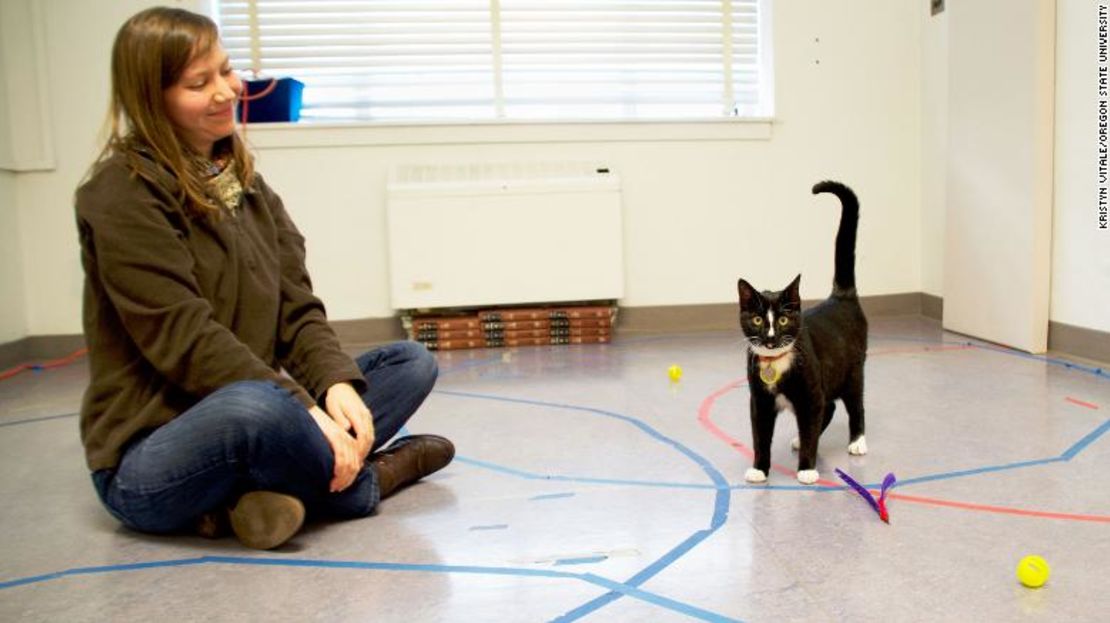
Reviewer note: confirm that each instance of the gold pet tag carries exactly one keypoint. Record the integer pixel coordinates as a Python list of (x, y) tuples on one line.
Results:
[(769, 374)]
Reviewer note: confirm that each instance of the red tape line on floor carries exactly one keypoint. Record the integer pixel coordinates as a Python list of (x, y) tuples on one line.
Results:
[(706, 420), (53, 363)]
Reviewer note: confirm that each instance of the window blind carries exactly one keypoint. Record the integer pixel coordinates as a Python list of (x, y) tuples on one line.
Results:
[(507, 59)]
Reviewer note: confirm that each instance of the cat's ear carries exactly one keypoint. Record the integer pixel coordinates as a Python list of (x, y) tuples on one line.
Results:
[(747, 294), (792, 294)]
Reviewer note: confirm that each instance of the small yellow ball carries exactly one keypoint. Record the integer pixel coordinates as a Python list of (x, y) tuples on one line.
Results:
[(674, 372), (1033, 571)]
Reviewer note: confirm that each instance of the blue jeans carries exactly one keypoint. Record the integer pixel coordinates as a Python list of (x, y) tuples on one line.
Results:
[(254, 435)]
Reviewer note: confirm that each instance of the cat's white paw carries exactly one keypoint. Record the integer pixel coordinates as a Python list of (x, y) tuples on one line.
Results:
[(754, 475), (858, 447), (807, 476), (795, 443)]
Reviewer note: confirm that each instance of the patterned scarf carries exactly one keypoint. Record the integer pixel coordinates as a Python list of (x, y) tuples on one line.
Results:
[(225, 185)]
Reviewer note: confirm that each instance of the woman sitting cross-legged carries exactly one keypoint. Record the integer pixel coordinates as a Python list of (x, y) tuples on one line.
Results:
[(219, 396)]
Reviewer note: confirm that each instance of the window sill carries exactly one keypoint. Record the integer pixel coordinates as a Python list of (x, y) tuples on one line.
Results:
[(347, 134)]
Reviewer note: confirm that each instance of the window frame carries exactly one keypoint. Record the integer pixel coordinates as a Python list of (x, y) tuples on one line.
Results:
[(351, 132)]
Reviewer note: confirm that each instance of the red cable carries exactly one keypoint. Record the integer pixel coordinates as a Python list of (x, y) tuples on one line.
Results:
[(46, 365)]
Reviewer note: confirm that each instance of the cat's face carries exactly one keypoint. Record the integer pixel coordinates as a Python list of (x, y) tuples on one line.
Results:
[(770, 321)]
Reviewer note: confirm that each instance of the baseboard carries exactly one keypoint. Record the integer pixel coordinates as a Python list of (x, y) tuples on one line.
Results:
[(676, 318), (723, 316), (1063, 338), (39, 348), (368, 331), (907, 304), (13, 353), (932, 306), (1078, 341)]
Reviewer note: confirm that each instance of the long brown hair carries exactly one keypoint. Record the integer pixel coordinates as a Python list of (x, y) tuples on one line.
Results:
[(150, 53)]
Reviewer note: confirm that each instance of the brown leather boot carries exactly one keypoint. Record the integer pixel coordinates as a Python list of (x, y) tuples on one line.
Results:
[(266, 519), (409, 459)]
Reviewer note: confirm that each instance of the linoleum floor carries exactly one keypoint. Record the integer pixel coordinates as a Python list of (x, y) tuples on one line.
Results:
[(589, 487)]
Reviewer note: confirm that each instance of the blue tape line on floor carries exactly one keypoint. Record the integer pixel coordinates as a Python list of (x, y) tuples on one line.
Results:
[(721, 502), (970, 472), (136, 566), (1086, 441), (659, 600), (466, 365), (512, 471), (34, 420), (580, 561), (551, 496), (616, 588)]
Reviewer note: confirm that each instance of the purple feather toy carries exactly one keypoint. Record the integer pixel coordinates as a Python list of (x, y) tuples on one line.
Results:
[(880, 504)]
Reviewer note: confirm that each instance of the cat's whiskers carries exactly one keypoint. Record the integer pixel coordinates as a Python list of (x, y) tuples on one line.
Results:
[(763, 351), (755, 344)]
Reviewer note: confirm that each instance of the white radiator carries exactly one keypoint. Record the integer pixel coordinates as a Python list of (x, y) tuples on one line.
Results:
[(496, 234)]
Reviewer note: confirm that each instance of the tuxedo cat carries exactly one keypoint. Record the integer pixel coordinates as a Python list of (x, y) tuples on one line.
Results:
[(803, 361)]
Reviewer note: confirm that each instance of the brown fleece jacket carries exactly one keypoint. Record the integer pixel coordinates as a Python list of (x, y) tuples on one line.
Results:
[(177, 306)]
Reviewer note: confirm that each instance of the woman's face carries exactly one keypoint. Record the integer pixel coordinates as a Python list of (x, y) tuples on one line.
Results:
[(202, 103)]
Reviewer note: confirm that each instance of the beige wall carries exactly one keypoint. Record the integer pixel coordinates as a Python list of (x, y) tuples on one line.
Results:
[(1080, 251), (999, 186), (701, 208), (702, 204), (1080, 272), (934, 147), (13, 316), (78, 38)]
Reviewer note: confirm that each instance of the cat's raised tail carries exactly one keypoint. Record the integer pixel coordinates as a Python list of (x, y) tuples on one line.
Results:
[(844, 280)]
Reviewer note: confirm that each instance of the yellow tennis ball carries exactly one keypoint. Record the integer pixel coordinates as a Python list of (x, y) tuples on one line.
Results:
[(674, 372), (1033, 571)]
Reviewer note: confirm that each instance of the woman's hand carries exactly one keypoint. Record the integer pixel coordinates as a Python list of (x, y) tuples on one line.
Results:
[(348, 462), (346, 407)]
